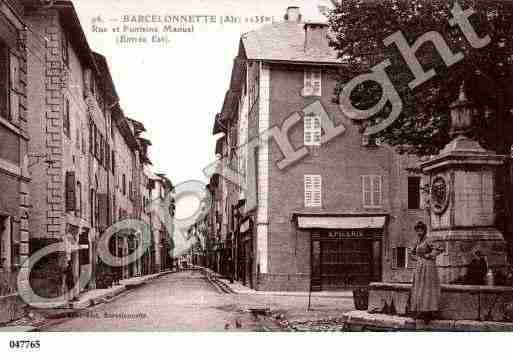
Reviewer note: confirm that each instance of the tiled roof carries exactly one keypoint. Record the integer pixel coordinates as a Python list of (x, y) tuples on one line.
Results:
[(285, 41)]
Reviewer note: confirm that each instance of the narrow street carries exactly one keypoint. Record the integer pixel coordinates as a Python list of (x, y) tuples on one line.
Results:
[(186, 301), (183, 301)]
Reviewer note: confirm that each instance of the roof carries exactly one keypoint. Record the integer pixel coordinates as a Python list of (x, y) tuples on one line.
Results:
[(285, 41), (219, 127), (122, 122), (229, 110), (219, 145), (105, 76)]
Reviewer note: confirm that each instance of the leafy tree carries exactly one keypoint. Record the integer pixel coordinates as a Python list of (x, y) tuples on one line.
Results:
[(358, 28)]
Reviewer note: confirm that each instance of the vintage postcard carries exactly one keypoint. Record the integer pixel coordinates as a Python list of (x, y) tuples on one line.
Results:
[(255, 166)]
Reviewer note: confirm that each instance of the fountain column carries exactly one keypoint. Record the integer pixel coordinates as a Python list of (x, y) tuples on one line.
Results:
[(462, 203)]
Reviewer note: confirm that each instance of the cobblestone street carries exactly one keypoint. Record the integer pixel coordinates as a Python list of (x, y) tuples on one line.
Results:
[(186, 301)]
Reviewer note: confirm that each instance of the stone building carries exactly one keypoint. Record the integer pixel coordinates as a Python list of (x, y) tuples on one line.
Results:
[(333, 208), (69, 104), (126, 158), (86, 155), (161, 188), (14, 136)]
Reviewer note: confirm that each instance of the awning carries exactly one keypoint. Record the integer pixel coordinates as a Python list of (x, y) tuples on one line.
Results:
[(310, 222)]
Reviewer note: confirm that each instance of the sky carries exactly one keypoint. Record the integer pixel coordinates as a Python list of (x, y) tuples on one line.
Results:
[(177, 88)]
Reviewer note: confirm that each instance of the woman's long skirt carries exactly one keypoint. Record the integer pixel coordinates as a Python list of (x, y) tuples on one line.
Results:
[(425, 293)]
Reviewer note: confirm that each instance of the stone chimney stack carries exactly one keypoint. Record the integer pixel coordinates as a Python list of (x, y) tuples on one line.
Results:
[(293, 14), (315, 35)]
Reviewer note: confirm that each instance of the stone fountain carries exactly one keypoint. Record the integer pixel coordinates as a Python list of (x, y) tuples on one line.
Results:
[(461, 221)]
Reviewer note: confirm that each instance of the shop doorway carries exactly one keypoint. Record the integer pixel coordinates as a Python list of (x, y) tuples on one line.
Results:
[(344, 259)]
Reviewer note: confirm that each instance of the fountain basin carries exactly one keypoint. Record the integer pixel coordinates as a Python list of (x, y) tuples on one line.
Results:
[(458, 302)]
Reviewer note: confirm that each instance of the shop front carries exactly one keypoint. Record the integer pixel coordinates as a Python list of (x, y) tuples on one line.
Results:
[(345, 251), (245, 253)]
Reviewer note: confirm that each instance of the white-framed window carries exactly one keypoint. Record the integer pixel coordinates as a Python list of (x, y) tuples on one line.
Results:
[(312, 130), (312, 82), (372, 192), (313, 191)]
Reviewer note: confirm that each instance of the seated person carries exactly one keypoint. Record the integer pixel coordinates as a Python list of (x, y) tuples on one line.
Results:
[(476, 271)]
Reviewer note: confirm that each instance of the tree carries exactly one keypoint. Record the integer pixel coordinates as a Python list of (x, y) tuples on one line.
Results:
[(358, 28)]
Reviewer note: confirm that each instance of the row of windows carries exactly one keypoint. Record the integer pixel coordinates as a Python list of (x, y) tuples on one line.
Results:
[(100, 148), (372, 191)]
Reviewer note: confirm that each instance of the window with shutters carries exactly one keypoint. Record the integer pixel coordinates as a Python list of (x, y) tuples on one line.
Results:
[(84, 143), (65, 49), (71, 199), (91, 207), (413, 192), (78, 211), (100, 149), (372, 191), (102, 210), (95, 139), (313, 191), (312, 130), (91, 137), (97, 211), (5, 237), (113, 162), (13, 89), (107, 156), (312, 82), (66, 123), (4, 81), (77, 143)]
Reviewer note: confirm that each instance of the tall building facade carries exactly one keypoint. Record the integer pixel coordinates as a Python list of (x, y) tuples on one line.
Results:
[(14, 136), (86, 156), (334, 209)]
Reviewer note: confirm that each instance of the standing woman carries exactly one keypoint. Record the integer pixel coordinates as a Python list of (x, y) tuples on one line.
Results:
[(425, 292)]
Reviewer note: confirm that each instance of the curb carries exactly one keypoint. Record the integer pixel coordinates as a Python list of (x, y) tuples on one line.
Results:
[(361, 320), (216, 283)]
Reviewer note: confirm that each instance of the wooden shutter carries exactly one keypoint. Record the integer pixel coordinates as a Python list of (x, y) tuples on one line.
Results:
[(366, 190), (376, 190), (4, 81), (14, 87), (308, 191), (317, 191), (71, 199), (15, 72), (91, 137), (67, 129), (103, 210)]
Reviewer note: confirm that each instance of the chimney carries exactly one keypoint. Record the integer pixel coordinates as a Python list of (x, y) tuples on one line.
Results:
[(293, 14), (315, 35)]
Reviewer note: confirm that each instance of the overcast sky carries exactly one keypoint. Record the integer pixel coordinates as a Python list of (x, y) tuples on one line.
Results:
[(176, 89)]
